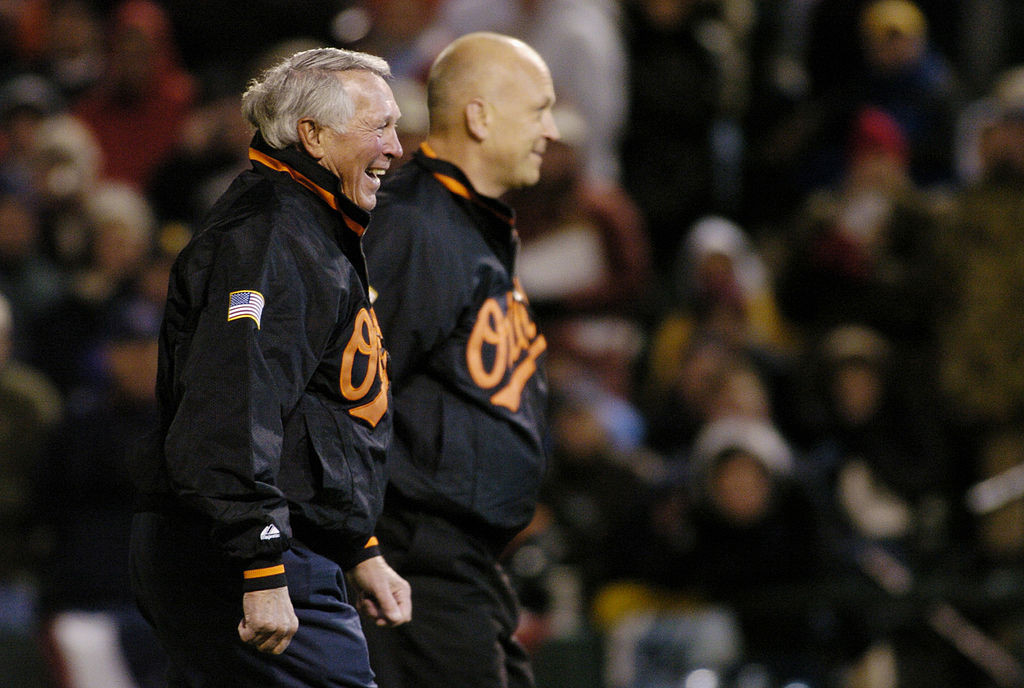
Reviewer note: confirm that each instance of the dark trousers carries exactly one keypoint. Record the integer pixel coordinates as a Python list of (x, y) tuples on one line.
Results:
[(192, 596), (464, 611)]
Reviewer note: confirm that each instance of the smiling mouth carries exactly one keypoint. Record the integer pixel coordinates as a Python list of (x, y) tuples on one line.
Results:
[(375, 173)]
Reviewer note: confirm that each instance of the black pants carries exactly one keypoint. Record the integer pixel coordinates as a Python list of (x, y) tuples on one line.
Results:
[(464, 611), (193, 598)]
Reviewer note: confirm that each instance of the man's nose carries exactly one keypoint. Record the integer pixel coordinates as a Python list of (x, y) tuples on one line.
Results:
[(551, 128), (392, 146)]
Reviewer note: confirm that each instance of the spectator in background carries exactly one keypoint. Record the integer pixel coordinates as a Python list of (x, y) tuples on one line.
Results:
[(724, 317), (590, 507), (139, 106), (66, 162), (982, 324), (717, 264), (866, 250), (121, 236), (30, 408), (210, 153), (987, 31), (982, 376), (20, 32), (123, 227), (884, 474), (73, 56), (673, 100), (34, 285), (896, 70), (734, 549), (681, 376), (85, 501), (910, 80), (779, 85), (400, 31), (213, 35), (26, 100), (835, 54), (884, 468)]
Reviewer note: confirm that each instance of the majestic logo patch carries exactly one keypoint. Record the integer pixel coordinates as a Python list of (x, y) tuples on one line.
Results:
[(270, 532), (245, 304)]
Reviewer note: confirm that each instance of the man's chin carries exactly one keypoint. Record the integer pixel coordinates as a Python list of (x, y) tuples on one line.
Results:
[(529, 179), (366, 201)]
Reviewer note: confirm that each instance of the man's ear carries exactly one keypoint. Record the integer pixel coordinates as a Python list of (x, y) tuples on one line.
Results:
[(311, 137), (478, 119)]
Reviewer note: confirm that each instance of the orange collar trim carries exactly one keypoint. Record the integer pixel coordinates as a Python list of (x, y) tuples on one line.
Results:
[(427, 150), (450, 183), (327, 197)]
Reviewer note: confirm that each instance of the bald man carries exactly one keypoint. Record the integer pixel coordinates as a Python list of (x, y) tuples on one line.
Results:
[(466, 364)]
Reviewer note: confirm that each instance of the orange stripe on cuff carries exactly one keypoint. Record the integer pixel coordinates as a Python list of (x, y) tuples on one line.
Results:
[(264, 573), (372, 542)]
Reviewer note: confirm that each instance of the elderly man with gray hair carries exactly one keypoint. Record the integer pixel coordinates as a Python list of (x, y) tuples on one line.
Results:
[(263, 483)]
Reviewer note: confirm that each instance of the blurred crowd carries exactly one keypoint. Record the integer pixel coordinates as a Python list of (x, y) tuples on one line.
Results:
[(778, 255)]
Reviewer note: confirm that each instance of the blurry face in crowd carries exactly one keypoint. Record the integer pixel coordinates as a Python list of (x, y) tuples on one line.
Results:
[(74, 44), (857, 389), (741, 488), (894, 50), (18, 229), (19, 130), (1002, 150), (740, 393), (133, 367), (522, 124), (579, 434), (118, 250), (132, 62), (363, 152)]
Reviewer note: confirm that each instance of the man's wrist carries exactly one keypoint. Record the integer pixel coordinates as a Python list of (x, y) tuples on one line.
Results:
[(263, 575)]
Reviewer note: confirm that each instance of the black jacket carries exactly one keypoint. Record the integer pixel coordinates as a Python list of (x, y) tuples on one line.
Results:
[(274, 418), (467, 358)]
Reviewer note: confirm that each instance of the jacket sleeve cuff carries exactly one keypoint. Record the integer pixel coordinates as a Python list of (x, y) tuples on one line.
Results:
[(370, 550), (263, 575)]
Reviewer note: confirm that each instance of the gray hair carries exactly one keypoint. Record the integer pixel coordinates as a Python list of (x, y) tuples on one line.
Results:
[(304, 85)]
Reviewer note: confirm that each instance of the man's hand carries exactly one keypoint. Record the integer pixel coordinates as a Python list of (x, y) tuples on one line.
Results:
[(383, 595), (269, 622)]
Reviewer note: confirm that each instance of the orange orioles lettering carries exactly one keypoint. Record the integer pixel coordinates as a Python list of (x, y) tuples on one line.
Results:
[(509, 339), (366, 344)]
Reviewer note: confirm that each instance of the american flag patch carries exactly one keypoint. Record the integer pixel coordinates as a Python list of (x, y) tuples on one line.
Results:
[(245, 304)]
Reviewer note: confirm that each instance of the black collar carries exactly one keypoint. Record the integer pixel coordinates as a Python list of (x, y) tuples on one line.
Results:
[(497, 220), (456, 182), (318, 179)]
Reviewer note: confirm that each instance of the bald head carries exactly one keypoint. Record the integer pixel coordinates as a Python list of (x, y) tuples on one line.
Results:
[(490, 99), (477, 65)]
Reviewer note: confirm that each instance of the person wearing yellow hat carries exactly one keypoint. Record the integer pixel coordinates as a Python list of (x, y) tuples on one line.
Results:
[(900, 17), (895, 33)]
